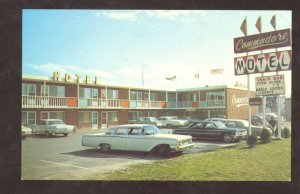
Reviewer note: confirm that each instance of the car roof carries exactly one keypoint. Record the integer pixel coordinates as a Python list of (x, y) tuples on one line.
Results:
[(236, 120), (131, 125), (51, 120)]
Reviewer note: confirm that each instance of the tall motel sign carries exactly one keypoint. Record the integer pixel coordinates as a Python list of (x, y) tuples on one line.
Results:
[(264, 62)]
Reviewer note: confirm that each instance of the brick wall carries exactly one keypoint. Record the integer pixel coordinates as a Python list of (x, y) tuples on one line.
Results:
[(236, 104)]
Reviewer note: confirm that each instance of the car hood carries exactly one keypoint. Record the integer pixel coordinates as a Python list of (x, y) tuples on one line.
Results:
[(173, 136), (60, 126), (236, 129)]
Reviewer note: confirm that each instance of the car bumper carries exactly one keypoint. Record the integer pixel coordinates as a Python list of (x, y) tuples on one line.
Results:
[(238, 137), (182, 147)]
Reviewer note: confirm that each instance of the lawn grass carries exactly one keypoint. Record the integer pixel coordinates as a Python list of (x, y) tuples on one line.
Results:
[(264, 162)]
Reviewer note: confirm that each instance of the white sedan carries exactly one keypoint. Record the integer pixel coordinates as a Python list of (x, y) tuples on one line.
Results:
[(25, 131), (138, 137)]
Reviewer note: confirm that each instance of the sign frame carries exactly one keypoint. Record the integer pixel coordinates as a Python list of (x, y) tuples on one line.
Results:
[(270, 85), (262, 41)]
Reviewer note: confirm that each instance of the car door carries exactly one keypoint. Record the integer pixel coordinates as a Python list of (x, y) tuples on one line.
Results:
[(118, 140), (212, 131), (135, 141)]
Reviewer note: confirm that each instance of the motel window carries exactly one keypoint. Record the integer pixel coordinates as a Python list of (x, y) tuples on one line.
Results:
[(136, 95), (112, 116), (146, 96), (53, 115), (215, 95), (132, 95), (153, 96), (28, 89), (88, 93), (28, 118), (103, 93), (133, 116), (84, 117), (171, 97), (57, 115), (152, 114), (51, 90), (112, 94)]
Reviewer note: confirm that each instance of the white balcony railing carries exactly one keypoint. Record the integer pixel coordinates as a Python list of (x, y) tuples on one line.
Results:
[(47, 102), (185, 104), (215, 103), (73, 102)]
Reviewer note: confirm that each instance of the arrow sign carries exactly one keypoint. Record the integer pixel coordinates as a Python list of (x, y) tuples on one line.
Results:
[(244, 26), (258, 24), (273, 21)]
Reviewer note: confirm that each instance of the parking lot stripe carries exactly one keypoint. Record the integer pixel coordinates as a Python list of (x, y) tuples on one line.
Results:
[(63, 164)]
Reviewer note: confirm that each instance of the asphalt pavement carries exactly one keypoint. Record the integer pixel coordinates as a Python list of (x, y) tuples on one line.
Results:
[(63, 158)]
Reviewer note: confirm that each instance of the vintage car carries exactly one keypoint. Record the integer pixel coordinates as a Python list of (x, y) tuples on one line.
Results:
[(138, 137), (258, 120), (26, 131), (243, 124), (212, 130), (149, 120), (51, 127), (216, 119), (173, 121), (189, 119)]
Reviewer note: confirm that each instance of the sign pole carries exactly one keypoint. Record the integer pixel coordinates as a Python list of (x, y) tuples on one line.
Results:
[(273, 23), (249, 107)]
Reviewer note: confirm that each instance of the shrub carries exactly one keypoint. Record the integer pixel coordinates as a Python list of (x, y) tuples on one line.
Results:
[(286, 133), (252, 140), (265, 136)]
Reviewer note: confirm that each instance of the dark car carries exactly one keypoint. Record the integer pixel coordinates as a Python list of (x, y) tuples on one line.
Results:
[(212, 130), (190, 120), (216, 119), (257, 120), (243, 124)]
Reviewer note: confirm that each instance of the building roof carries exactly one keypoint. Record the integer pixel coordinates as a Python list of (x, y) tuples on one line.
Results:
[(61, 81)]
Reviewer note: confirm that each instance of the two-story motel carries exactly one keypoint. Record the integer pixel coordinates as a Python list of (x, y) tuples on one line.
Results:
[(89, 104)]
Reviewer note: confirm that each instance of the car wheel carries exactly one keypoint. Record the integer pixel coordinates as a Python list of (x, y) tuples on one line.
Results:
[(104, 148), (227, 138), (65, 134), (164, 150)]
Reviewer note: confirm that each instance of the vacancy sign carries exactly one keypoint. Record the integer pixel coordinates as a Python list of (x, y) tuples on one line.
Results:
[(270, 85), (262, 63)]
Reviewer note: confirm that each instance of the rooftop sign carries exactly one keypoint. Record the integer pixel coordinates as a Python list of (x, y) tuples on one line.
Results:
[(275, 39)]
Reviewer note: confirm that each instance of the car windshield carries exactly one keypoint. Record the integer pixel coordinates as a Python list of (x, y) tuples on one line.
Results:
[(220, 125), (246, 123), (152, 119), (150, 130)]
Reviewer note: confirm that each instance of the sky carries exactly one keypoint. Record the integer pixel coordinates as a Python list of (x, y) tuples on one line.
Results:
[(142, 47)]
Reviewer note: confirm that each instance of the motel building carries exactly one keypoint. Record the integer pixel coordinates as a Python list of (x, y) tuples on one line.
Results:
[(90, 105)]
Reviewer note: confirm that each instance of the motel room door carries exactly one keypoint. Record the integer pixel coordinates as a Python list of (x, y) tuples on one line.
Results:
[(94, 120), (103, 119)]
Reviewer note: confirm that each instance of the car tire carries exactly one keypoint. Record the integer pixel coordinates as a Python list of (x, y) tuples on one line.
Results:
[(66, 134), (227, 138), (163, 150), (105, 148)]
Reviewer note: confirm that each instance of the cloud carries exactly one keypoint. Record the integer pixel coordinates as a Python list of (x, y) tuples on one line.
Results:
[(160, 14), (173, 14), (127, 16)]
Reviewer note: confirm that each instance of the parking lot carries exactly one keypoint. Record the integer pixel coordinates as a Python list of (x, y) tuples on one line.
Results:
[(63, 158)]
